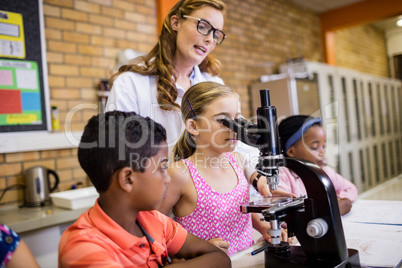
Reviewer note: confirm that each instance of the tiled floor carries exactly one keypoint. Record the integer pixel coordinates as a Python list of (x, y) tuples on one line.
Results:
[(389, 190)]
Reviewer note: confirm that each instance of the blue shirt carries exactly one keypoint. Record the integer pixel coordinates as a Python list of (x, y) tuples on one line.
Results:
[(9, 241)]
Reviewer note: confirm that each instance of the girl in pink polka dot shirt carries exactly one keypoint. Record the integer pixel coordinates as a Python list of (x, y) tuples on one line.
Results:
[(208, 185)]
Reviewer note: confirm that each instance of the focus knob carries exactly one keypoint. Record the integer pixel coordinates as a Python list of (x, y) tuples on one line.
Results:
[(317, 228)]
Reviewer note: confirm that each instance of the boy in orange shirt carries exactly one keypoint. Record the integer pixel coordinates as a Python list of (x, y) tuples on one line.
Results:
[(125, 156)]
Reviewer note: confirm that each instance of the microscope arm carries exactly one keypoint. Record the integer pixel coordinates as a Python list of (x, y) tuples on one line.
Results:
[(316, 220), (322, 203)]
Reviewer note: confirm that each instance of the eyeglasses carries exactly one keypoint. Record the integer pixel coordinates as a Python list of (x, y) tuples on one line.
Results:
[(205, 28)]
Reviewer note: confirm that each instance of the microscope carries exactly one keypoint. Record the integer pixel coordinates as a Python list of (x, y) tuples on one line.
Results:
[(314, 220)]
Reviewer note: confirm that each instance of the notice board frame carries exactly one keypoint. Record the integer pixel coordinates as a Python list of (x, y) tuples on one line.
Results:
[(21, 70)]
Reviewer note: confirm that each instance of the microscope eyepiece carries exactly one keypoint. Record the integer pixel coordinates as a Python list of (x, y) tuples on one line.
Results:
[(264, 97)]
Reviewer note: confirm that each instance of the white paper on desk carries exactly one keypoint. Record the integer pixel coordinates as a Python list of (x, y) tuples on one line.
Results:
[(378, 245), (375, 211)]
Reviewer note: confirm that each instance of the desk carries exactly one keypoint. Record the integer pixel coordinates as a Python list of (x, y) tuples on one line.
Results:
[(34, 218), (374, 227), (245, 259), (41, 229), (379, 243)]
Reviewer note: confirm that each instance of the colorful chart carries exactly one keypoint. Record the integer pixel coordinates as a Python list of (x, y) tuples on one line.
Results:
[(20, 101)]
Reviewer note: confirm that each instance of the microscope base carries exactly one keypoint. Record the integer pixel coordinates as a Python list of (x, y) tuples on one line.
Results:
[(298, 259)]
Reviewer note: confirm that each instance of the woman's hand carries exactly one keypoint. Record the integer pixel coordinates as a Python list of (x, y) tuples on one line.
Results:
[(220, 243)]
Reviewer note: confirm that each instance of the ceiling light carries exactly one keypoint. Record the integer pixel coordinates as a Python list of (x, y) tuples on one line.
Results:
[(399, 23)]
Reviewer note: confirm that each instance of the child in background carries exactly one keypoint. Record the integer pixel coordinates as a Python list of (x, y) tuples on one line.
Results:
[(303, 137), (208, 185), (125, 156), (14, 253)]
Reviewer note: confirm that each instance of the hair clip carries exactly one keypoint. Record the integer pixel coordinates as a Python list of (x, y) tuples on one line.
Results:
[(190, 110)]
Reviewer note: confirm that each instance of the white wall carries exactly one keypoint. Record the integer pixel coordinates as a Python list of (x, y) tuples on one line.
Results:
[(394, 42)]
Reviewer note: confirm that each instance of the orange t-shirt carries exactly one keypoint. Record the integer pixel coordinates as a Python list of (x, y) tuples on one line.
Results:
[(95, 240)]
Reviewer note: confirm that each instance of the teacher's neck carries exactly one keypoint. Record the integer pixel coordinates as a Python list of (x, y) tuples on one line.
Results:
[(183, 72)]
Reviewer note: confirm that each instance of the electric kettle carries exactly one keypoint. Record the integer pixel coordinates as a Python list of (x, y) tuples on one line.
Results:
[(38, 187)]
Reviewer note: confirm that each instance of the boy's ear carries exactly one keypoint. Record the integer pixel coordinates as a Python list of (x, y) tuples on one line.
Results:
[(191, 126), (125, 178), (174, 22), (291, 151)]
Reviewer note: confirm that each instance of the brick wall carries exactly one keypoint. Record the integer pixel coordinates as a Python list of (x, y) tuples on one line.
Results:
[(84, 37), (261, 33), (362, 48)]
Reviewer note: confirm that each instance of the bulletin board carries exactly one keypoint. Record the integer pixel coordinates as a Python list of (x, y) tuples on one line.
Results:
[(23, 73)]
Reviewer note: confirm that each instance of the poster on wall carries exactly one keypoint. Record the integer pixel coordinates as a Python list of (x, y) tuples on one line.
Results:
[(12, 43), (19, 93), (23, 73)]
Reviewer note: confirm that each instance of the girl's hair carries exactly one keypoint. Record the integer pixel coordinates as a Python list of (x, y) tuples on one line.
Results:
[(194, 103), (293, 124), (160, 60)]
